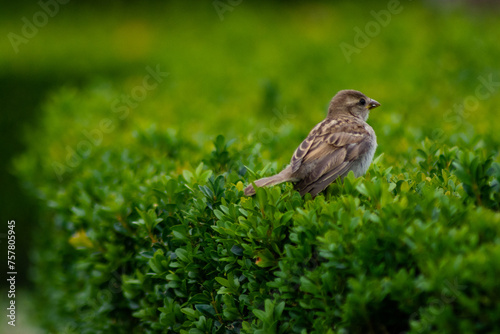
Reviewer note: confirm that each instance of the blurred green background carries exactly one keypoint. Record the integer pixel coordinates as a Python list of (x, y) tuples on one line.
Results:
[(247, 70)]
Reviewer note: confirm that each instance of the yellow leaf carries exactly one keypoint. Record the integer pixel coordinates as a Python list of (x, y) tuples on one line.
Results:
[(80, 240), (405, 187), (240, 186)]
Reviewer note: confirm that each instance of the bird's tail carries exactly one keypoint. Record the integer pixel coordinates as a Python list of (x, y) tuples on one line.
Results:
[(269, 181)]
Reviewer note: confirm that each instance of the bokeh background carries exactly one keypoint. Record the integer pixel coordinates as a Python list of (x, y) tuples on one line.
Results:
[(249, 70)]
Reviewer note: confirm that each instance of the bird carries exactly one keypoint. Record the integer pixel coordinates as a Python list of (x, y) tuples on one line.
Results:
[(342, 142)]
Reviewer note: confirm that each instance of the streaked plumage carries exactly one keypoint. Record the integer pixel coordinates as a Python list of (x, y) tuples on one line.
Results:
[(340, 143)]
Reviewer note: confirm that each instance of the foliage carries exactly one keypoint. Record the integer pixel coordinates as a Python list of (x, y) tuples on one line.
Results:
[(144, 227), (132, 243)]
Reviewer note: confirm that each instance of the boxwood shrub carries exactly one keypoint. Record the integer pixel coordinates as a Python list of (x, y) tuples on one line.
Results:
[(151, 233)]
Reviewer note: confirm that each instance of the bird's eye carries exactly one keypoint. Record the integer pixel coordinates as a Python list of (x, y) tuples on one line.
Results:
[(362, 102)]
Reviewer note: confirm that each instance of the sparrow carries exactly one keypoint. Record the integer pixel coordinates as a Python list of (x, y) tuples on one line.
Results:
[(342, 142)]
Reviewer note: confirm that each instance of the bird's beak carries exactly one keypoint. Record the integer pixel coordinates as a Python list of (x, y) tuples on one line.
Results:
[(372, 104)]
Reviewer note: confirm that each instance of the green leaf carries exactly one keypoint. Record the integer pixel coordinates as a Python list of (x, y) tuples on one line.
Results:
[(183, 255), (207, 310), (308, 286)]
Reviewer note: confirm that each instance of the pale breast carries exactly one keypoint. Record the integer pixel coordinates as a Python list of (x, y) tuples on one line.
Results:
[(361, 165)]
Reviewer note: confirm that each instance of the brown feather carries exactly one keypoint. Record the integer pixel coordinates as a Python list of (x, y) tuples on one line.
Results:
[(330, 153)]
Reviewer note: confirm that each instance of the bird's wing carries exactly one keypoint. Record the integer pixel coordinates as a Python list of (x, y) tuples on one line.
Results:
[(305, 146), (328, 136), (332, 147)]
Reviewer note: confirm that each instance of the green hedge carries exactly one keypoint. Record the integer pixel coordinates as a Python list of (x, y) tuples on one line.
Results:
[(153, 234), (143, 227)]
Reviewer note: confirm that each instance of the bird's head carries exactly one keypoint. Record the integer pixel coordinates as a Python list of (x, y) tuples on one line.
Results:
[(351, 102)]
